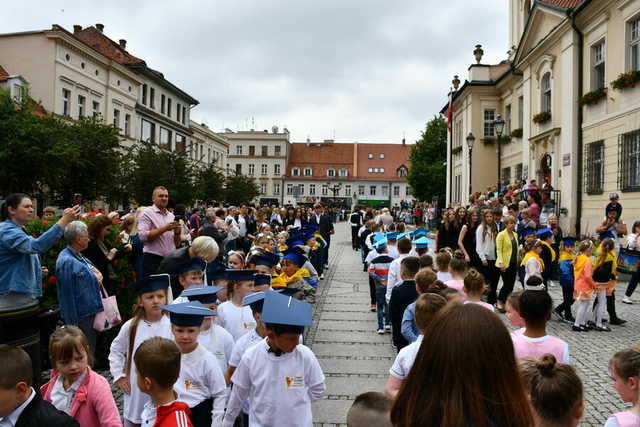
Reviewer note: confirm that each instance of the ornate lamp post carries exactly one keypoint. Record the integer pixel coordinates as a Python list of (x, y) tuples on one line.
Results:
[(470, 140), (498, 124)]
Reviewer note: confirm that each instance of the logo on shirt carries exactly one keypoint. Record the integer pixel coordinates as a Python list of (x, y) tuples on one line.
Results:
[(219, 355), (294, 382), (246, 325), (192, 385)]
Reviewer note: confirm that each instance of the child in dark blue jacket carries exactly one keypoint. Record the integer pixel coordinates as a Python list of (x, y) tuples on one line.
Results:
[(565, 263)]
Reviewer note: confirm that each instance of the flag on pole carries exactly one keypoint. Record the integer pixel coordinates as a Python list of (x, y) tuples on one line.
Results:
[(450, 112)]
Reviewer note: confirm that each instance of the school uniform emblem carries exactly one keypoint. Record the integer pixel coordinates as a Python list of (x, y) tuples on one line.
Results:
[(291, 382), (192, 385)]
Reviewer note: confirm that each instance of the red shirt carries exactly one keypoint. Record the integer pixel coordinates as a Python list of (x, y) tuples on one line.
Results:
[(174, 415)]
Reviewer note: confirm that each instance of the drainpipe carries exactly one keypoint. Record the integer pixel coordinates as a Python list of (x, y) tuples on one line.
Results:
[(571, 14)]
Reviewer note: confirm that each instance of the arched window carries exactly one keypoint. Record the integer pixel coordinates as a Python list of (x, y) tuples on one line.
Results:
[(545, 90)]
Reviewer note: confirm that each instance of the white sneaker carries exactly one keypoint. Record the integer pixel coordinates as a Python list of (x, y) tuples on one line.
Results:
[(627, 300), (387, 327), (380, 331)]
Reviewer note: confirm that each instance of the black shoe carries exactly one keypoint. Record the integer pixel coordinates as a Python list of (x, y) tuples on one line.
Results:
[(559, 315), (569, 319), (579, 328), (617, 321), (602, 329)]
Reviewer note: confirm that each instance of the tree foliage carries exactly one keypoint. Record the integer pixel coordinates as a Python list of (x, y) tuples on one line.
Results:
[(240, 189), (209, 184), (427, 175)]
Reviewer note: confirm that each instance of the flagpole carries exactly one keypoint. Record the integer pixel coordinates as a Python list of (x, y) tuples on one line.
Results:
[(449, 149)]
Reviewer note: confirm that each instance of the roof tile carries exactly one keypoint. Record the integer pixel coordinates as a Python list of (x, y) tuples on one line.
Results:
[(103, 44)]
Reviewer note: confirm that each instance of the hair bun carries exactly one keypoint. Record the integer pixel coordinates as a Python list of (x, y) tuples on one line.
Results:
[(458, 254), (546, 364)]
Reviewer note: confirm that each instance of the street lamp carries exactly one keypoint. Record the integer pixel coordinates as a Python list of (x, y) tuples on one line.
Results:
[(498, 125), (455, 82), (470, 140)]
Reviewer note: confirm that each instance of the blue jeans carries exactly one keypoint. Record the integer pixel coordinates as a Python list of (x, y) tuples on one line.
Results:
[(381, 306)]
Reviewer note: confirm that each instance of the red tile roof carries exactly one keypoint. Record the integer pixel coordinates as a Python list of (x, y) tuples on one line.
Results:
[(320, 156), (3, 74), (103, 44), (395, 155), (564, 4)]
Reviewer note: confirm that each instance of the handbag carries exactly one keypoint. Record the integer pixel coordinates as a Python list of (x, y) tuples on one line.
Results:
[(110, 315)]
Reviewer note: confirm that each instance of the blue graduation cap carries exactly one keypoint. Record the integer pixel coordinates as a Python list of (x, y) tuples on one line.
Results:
[(544, 233), (296, 237), (255, 300), (204, 294), (403, 236), (284, 310), (240, 275), (266, 258), (216, 271), (296, 255), (392, 236), (569, 241), (152, 283), (187, 314), (380, 244), (262, 279), (527, 231), (287, 291), (419, 232), (310, 228), (422, 242), (192, 264)]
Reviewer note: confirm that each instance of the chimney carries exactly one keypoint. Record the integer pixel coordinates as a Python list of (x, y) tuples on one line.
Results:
[(100, 27), (403, 141), (77, 29), (123, 43)]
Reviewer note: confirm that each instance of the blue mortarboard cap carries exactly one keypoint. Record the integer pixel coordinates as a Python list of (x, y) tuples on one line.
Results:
[(255, 300), (152, 283), (296, 255), (606, 235), (296, 237), (419, 232), (392, 236), (544, 233), (216, 271), (204, 294), (262, 279), (188, 314), (310, 228), (403, 236), (569, 241), (240, 275), (528, 231), (266, 258), (191, 264), (287, 291), (422, 242), (286, 310), (380, 244)]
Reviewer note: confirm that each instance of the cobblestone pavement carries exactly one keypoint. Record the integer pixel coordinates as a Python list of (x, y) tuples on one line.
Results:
[(355, 359)]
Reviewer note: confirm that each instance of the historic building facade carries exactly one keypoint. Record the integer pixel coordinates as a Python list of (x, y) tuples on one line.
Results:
[(569, 119)]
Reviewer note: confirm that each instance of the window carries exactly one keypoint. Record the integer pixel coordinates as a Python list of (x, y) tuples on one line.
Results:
[(360, 190), (629, 161), (181, 144), (396, 190), (289, 189), (506, 176), (276, 188), (144, 94), (277, 150), (457, 134), (408, 191), (148, 131), (382, 155), (208, 154), (370, 156), (381, 170), (598, 68), (264, 150), (594, 167), (263, 169), (96, 108), (308, 172), (152, 97), (184, 114), (127, 124), (312, 189), (238, 169), (66, 99), (344, 172), (165, 138), (347, 190), (300, 189), (116, 118), (331, 173), (521, 112), (276, 170), (162, 103), (634, 45), (252, 150), (545, 90), (376, 170), (19, 92), (372, 190), (507, 120), (324, 190), (370, 170), (402, 172), (169, 107), (295, 171), (489, 117), (178, 111), (263, 188), (252, 169), (239, 150), (518, 173), (81, 106), (385, 190)]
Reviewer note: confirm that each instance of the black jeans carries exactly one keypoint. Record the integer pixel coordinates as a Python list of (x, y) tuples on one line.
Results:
[(355, 241), (372, 290), (508, 280), (491, 275), (633, 283), (567, 302)]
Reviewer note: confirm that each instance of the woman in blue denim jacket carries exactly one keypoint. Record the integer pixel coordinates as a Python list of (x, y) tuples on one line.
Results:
[(78, 283), (20, 269)]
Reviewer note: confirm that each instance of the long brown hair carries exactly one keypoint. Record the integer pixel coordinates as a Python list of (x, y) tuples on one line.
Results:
[(137, 316), (468, 365), (485, 226)]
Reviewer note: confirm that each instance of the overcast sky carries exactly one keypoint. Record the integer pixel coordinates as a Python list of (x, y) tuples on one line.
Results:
[(367, 70)]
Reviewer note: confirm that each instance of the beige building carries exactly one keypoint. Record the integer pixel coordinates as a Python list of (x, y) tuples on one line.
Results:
[(262, 155), (566, 124), (208, 147), (71, 79)]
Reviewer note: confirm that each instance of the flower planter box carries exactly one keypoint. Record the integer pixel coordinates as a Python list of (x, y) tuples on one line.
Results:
[(593, 97), (516, 133), (542, 117), (626, 80)]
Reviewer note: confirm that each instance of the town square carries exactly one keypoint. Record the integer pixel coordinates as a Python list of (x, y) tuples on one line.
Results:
[(294, 213)]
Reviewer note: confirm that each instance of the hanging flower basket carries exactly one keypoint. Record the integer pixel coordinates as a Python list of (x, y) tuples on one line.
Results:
[(456, 150), (516, 133), (626, 80), (593, 97), (542, 117)]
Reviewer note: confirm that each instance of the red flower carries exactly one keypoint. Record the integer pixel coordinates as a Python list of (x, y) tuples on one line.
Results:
[(45, 222), (52, 280)]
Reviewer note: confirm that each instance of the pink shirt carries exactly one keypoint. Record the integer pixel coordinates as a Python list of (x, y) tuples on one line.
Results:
[(150, 219), (536, 347), (623, 419), (482, 304), (458, 285)]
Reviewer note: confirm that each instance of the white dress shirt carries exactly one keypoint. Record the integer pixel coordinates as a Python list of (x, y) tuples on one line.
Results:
[(61, 398)]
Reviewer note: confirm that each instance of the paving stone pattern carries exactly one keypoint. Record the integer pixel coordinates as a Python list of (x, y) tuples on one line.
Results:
[(355, 359)]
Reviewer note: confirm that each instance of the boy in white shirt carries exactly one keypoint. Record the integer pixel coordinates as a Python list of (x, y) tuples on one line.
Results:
[(278, 369)]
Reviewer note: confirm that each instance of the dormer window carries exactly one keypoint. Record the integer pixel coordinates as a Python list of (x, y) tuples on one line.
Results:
[(381, 170), (402, 172), (382, 155), (295, 172), (344, 172), (308, 172), (370, 156), (370, 170), (331, 173)]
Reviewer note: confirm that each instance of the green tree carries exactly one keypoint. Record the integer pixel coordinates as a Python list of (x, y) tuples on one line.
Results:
[(427, 175), (209, 184), (240, 189)]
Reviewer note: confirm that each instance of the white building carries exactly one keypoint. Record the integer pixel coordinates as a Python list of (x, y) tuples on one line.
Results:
[(208, 147)]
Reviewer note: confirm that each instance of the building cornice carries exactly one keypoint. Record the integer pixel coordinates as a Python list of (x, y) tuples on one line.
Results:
[(145, 111)]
